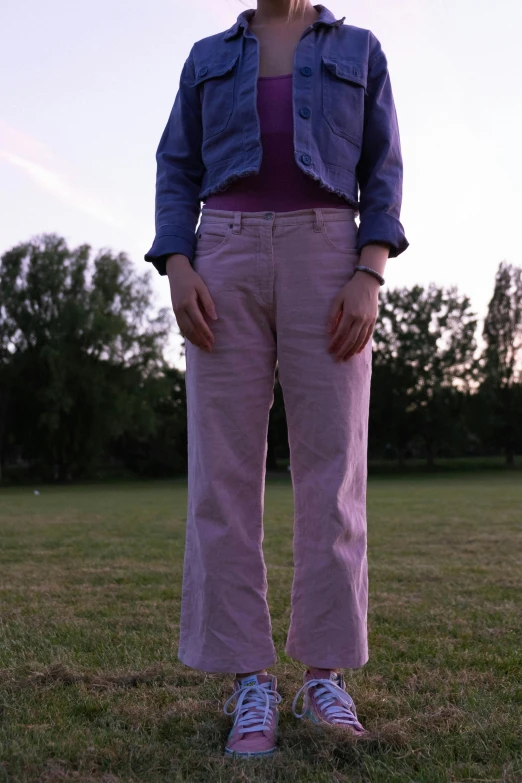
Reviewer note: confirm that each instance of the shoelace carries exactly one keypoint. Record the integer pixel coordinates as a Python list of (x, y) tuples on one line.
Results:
[(252, 702), (326, 696)]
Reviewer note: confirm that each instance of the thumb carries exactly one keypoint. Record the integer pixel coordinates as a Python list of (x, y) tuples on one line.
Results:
[(335, 312), (206, 299)]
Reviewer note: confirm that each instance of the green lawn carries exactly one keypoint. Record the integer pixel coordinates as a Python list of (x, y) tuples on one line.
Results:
[(90, 688)]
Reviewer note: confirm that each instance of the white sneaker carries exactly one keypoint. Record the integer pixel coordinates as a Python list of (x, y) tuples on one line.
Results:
[(255, 725), (327, 702)]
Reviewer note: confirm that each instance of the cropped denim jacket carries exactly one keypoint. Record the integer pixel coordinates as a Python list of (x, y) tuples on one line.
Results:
[(346, 134)]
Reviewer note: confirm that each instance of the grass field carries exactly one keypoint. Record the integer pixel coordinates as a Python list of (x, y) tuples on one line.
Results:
[(91, 690)]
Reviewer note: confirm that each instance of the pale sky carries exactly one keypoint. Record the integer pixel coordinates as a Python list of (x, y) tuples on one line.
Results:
[(86, 90)]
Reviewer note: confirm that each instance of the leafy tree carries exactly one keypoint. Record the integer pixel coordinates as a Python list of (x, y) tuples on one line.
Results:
[(424, 348), (77, 336), (161, 448), (501, 365)]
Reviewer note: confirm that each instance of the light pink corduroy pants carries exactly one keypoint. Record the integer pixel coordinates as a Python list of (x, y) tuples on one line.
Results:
[(273, 277)]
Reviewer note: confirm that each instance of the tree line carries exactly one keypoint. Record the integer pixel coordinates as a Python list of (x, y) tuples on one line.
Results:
[(86, 390)]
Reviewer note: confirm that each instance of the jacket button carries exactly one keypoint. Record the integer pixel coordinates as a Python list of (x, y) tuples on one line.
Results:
[(202, 71), (306, 159), (306, 70), (305, 112)]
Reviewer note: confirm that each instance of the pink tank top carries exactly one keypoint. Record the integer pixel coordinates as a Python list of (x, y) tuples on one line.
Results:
[(280, 185)]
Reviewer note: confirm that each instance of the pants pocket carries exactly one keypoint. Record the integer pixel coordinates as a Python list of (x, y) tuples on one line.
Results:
[(341, 235), (211, 236)]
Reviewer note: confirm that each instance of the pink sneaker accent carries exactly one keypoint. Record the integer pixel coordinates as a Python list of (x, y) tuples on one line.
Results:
[(327, 702), (255, 725)]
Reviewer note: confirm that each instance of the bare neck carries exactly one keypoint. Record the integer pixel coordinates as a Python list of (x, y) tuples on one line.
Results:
[(276, 12)]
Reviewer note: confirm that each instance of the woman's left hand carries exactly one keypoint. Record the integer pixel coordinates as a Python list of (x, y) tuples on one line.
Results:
[(353, 315)]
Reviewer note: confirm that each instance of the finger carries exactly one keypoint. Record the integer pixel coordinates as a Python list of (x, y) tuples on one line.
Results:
[(335, 313), (205, 340), (343, 327), (206, 299), (353, 338), (187, 328), (359, 341), (192, 332), (333, 321), (367, 338), (199, 322)]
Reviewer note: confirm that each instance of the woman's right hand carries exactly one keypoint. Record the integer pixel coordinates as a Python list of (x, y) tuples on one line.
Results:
[(190, 300)]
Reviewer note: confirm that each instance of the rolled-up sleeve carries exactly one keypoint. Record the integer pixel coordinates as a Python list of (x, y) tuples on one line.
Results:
[(179, 174), (380, 167)]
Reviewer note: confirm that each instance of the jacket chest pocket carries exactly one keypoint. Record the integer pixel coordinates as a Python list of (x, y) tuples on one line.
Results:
[(344, 88), (216, 82)]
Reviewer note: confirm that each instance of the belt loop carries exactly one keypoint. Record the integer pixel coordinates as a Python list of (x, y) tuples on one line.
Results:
[(237, 223), (318, 223)]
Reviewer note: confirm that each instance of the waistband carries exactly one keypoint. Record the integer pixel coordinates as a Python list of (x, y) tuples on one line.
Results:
[(318, 215)]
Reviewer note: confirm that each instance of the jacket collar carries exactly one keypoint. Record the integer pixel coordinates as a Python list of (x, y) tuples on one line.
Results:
[(325, 17)]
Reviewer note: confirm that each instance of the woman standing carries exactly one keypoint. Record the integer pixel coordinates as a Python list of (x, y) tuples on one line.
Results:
[(277, 125)]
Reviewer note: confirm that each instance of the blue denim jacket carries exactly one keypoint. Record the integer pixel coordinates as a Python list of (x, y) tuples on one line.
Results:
[(346, 134)]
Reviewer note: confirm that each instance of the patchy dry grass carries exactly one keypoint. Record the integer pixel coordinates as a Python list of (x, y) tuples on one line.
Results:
[(91, 690)]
